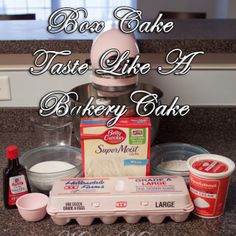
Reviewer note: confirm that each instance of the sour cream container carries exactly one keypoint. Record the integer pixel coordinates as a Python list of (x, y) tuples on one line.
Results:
[(209, 181)]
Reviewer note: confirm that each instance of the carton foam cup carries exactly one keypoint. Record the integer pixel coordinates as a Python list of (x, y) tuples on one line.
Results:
[(32, 206)]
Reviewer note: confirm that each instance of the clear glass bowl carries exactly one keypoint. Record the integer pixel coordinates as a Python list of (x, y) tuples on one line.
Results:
[(43, 181), (52, 130), (172, 152)]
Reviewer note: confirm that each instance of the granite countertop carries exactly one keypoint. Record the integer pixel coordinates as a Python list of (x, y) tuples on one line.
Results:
[(219, 29), (209, 35), (203, 127)]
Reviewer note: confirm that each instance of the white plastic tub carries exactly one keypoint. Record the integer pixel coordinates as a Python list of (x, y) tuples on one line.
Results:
[(84, 199)]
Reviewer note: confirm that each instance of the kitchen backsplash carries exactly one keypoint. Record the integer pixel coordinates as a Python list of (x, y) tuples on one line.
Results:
[(202, 87)]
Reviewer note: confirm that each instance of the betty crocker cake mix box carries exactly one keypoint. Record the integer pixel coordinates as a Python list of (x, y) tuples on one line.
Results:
[(122, 150)]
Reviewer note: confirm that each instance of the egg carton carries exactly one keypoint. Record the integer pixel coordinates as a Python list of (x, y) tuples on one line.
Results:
[(154, 197), (85, 220)]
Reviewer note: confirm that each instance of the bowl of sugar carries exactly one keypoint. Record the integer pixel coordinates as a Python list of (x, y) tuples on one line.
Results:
[(171, 158), (47, 164)]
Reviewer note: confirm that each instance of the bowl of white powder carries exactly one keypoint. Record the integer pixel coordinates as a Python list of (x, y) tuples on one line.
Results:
[(46, 164), (171, 158)]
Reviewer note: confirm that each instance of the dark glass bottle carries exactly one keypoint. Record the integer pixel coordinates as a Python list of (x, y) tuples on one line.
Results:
[(15, 181)]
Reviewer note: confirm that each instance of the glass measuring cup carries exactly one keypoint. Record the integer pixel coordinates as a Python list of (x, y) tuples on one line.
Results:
[(52, 130)]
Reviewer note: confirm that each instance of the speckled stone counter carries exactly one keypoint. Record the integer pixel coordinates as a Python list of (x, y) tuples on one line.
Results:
[(145, 45), (210, 35), (211, 128)]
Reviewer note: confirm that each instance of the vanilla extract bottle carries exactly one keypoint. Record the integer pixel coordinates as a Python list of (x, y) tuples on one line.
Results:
[(15, 181)]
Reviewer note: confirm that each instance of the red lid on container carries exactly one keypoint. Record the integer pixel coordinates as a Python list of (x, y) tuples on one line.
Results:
[(210, 166), (12, 152)]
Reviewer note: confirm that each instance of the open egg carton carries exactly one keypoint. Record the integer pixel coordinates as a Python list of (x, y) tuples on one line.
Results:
[(85, 199)]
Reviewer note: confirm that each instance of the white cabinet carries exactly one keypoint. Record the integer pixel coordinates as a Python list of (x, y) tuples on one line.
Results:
[(198, 87), (27, 90)]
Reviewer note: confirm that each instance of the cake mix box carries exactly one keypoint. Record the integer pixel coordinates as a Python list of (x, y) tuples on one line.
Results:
[(122, 150)]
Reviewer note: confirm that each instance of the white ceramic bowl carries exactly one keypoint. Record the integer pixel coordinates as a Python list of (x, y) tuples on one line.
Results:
[(32, 206)]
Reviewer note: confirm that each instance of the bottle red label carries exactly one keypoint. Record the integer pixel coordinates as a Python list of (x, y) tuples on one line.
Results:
[(17, 188)]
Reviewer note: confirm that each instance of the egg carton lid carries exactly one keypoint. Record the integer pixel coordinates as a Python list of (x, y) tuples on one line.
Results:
[(119, 195)]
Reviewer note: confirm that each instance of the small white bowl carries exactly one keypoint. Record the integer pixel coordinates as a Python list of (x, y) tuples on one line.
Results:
[(32, 206)]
